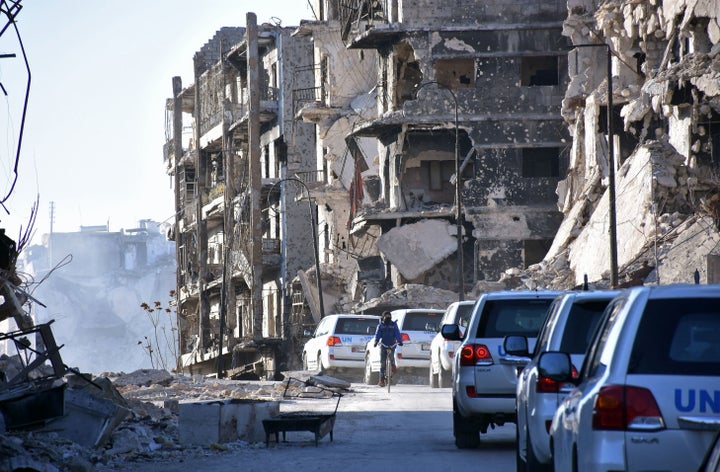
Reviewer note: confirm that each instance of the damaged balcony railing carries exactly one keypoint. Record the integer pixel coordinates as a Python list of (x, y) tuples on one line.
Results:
[(303, 96), (353, 12), (312, 179)]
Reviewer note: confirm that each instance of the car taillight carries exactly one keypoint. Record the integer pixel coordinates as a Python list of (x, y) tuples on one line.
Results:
[(548, 385), (333, 341), (624, 407), (405, 337), (471, 354)]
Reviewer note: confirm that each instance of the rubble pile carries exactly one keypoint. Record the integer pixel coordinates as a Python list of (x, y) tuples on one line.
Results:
[(149, 432), (410, 296)]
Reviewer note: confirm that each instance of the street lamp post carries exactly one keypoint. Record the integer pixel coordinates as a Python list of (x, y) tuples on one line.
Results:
[(458, 200), (611, 164), (314, 238)]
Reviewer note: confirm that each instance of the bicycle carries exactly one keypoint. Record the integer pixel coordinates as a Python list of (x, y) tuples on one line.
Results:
[(388, 363)]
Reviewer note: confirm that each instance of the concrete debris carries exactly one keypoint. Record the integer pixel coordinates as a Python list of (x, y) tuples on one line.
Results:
[(151, 429), (409, 296), (416, 248)]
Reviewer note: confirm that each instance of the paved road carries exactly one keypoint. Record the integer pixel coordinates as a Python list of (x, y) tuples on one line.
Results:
[(409, 429)]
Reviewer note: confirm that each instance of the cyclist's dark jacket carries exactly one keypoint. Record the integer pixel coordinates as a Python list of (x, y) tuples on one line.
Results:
[(388, 333)]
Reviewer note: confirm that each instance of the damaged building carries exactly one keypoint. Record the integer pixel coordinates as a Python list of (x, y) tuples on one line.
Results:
[(464, 89), (643, 110), (241, 233), (462, 147)]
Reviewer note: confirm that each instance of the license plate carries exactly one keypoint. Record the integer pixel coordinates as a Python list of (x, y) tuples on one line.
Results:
[(425, 346), (357, 349)]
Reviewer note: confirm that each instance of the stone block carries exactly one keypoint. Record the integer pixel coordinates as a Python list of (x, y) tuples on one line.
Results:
[(221, 421)]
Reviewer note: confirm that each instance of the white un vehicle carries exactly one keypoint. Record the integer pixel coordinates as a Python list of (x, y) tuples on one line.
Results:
[(569, 327), (417, 327), (442, 351), (648, 394), (338, 343), (484, 376)]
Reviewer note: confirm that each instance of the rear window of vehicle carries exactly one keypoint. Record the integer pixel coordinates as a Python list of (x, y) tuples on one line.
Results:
[(580, 325), (464, 312), (522, 317), (356, 326), (422, 322), (678, 337)]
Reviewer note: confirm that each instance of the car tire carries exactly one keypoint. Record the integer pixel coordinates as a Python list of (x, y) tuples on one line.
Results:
[(467, 435), (370, 377), (444, 378), (432, 378), (575, 465)]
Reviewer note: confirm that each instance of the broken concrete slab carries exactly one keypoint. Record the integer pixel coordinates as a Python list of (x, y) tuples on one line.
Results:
[(222, 421), (416, 248)]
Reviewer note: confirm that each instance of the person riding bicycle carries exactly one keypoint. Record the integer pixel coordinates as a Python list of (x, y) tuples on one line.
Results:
[(387, 333)]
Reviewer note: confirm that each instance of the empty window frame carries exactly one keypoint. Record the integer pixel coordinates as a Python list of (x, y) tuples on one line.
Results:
[(541, 162), (534, 250), (187, 179), (455, 73), (708, 134), (539, 70)]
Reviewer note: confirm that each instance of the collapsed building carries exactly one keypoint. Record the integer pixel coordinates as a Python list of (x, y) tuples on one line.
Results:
[(469, 89), (643, 109), (462, 147)]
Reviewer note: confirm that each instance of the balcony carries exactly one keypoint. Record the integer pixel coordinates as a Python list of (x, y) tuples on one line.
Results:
[(313, 180)]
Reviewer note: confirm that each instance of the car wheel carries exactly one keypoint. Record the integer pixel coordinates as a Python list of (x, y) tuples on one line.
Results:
[(432, 378), (520, 464), (444, 378), (370, 377), (320, 368), (467, 435), (575, 465)]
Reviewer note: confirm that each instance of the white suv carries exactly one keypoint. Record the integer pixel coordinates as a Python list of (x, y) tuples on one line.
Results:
[(338, 342), (484, 376), (417, 326), (648, 395), (569, 326), (443, 351)]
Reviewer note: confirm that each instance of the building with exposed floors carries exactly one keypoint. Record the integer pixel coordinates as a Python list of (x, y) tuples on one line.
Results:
[(242, 230), (467, 88)]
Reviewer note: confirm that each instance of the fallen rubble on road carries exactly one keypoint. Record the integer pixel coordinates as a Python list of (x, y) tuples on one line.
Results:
[(150, 431)]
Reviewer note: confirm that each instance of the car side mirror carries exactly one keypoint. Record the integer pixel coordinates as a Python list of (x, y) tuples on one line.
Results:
[(451, 332), (555, 366), (516, 346), (307, 333)]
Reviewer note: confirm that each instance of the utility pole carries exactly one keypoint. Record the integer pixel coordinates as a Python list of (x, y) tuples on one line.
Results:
[(612, 214), (253, 80)]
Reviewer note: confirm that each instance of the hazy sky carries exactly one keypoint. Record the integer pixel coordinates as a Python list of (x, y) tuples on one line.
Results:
[(101, 71)]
